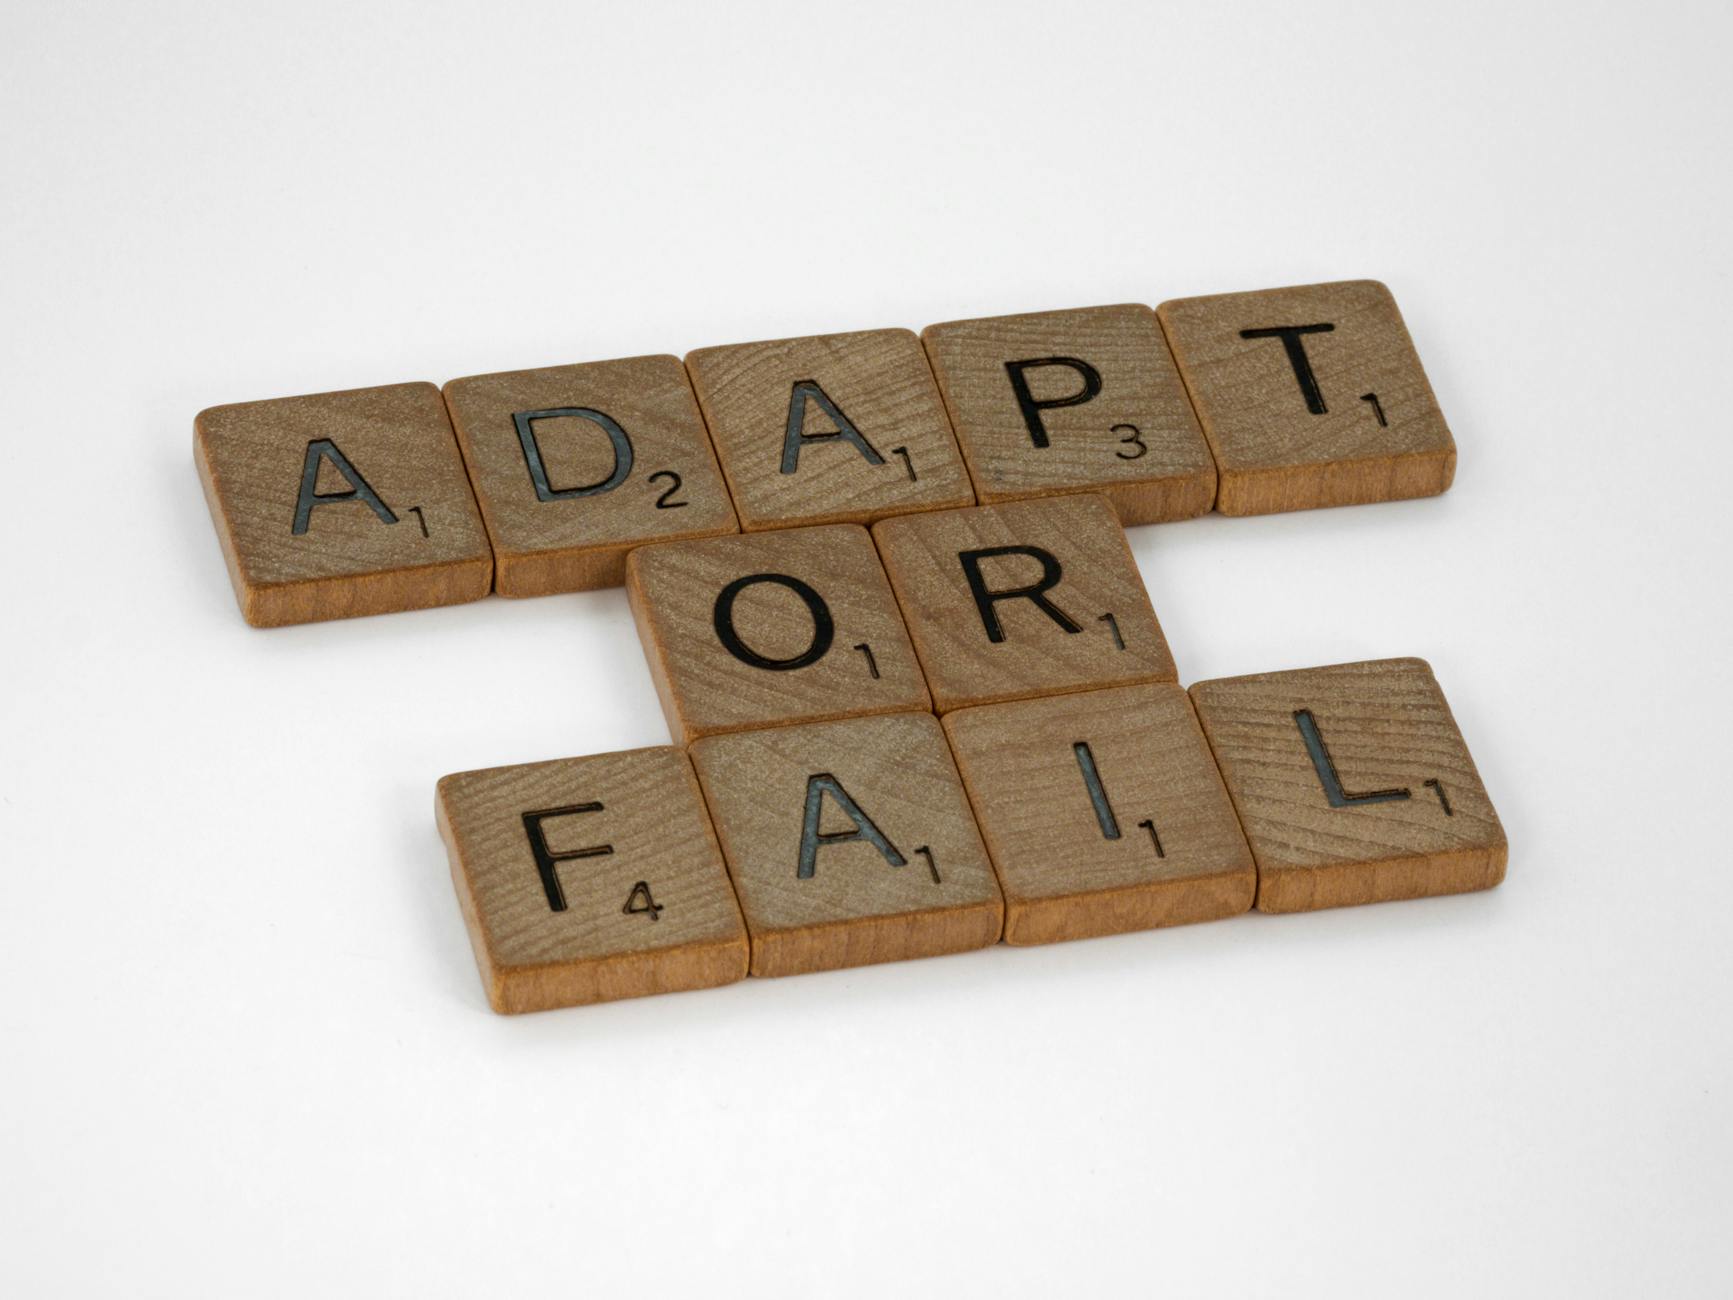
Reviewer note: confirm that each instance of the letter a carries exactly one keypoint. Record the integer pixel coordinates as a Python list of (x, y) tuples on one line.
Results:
[(806, 390), (324, 449), (811, 841)]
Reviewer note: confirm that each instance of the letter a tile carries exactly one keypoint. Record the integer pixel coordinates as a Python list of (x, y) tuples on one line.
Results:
[(575, 465), (1026, 598), (1069, 401), (771, 628), (1353, 784), (341, 504), (588, 879), (1103, 811), (1311, 396), (849, 843), (841, 428)]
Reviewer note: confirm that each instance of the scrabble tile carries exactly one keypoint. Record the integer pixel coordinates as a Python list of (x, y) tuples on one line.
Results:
[(1353, 784), (1103, 812), (342, 504), (771, 628), (1311, 396), (588, 879), (841, 428), (1025, 598), (1068, 401), (575, 465), (849, 843)]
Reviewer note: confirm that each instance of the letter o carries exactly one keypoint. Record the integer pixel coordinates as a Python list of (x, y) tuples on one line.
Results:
[(823, 626)]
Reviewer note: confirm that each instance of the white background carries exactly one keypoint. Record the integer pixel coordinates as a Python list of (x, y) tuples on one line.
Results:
[(243, 1048)]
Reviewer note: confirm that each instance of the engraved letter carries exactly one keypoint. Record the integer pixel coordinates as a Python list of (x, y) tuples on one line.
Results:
[(546, 859), (1097, 792), (324, 449), (811, 841), (1032, 409), (806, 390), (1297, 358), (1325, 766), (823, 627), (526, 436), (985, 600)]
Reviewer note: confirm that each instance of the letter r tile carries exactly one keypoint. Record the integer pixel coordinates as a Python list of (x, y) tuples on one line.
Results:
[(1310, 396), (341, 504), (840, 428), (1353, 783), (764, 629), (588, 879), (849, 843), (575, 465), (1021, 599)]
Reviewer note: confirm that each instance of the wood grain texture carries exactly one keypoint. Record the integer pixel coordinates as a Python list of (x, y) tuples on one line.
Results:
[(928, 559), (1135, 440), (706, 687), (571, 530), (856, 906), (352, 558), (1134, 832), (880, 383), (613, 939), (1369, 429), (1408, 815)]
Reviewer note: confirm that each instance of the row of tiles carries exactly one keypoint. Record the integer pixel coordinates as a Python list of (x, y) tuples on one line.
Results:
[(843, 843), (933, 611), (540, 481)]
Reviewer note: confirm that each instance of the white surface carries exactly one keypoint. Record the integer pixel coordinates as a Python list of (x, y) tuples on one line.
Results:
[(245, 1051)]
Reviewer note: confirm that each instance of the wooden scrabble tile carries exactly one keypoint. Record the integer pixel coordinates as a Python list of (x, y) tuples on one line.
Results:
[(588, 879), (1353, 784), (1025, 598), (575, 465), (1311, 396), (1103, 812), (849, 843), (832, 429), (1067, 401), (341, 504), (771, 628)]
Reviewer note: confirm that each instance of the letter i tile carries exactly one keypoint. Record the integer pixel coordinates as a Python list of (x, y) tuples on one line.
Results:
[(849, 843), (1103, 811)]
